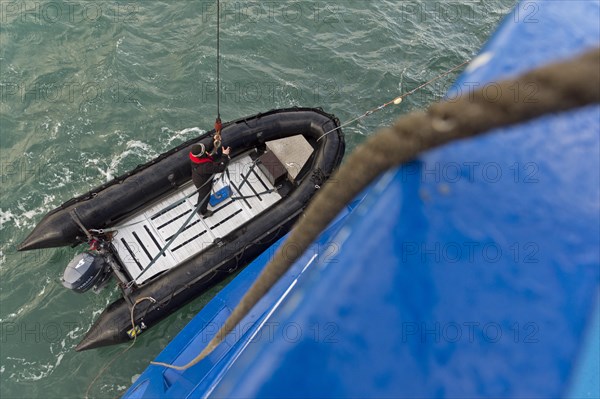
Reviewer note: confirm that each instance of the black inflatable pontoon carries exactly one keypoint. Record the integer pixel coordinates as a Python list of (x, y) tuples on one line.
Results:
[(128, 220)]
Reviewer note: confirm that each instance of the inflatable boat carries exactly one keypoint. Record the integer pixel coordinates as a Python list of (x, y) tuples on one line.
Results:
[(143, 229)]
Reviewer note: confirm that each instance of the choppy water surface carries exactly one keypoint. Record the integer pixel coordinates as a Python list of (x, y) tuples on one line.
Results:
[(91, 89)]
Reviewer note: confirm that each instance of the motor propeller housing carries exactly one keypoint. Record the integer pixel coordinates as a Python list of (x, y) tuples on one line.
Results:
[(87, 270)]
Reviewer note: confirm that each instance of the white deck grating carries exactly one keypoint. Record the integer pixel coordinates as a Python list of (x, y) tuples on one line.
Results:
[(141, 237)]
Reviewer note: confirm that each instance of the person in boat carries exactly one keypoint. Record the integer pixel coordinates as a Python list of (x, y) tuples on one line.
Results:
[(204, 166)]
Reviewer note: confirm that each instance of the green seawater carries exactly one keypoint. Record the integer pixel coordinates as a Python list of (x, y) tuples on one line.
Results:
[(88, 90)]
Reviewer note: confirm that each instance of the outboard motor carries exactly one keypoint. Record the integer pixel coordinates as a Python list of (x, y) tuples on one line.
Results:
[(86, 270)]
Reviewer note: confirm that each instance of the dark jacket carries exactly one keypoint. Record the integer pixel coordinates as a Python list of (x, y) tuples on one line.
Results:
[(204, 168)]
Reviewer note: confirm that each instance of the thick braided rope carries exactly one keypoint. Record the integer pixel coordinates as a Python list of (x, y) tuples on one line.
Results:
[(559, 87)]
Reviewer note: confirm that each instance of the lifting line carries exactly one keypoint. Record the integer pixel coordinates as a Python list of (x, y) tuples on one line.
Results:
[(218, 124)]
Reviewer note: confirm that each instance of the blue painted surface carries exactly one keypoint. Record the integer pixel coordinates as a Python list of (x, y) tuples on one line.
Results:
[(471, 272), (163, 383), (586, 382), (220, 196)]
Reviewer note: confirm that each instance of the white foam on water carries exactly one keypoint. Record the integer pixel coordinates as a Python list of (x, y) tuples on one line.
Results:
[(29, 371), (47, 282), (32, 371), (5, 217), (59, 179), (59, 359), (184, 133), (31, 374), (109, 169), (133, 147), (48, 199), (55, 130), (27, 218), (106, 388), (10, 316), (72, 334), (96, 313)]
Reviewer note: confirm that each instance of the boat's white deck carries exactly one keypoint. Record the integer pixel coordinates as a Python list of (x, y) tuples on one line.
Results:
[(141, 237)]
